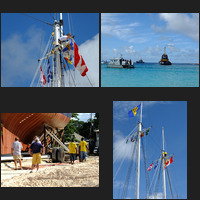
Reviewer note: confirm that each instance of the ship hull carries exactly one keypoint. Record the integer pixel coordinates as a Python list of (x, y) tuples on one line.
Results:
[(119, 66), (165, 63), (26, 126)]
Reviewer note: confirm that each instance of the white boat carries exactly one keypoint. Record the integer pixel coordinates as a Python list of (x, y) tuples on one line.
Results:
[(120, 63)]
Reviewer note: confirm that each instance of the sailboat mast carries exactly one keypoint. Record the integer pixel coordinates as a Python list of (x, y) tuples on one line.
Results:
[(58, 31), (56, 28), (61, 25), (138, 151), (163, 166)]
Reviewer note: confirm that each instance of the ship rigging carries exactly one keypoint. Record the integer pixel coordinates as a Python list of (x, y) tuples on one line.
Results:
[(137, 146), (60, 60)]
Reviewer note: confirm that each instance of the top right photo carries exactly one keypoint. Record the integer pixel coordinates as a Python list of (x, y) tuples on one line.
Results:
[(150, 50)]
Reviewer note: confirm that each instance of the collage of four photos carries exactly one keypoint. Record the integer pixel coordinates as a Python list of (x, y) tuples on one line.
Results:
[(100, 50)]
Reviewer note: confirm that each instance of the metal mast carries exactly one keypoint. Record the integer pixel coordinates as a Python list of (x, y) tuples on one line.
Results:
[(61, 25), (163, 166), (138, 155), (58, 31)]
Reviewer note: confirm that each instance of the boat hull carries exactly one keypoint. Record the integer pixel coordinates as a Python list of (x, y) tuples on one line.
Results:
[(120, 66), (27, 125), (165, 63)]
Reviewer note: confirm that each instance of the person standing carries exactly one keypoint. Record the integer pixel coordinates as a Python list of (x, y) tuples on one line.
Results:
[(72, 151), (16, 149), (36, 149), (83, 149)]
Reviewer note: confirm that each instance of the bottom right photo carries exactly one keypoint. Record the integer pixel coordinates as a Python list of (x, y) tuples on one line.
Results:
[(149, 149)]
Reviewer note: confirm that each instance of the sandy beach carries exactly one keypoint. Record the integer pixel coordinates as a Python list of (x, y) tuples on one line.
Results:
[(81, 174)]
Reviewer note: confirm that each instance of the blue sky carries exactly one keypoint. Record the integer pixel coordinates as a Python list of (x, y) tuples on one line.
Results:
[(21, 38), (85, 116), (172, 115), (144, 35)]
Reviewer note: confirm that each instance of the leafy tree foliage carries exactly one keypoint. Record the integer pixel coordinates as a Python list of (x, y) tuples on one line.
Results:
[(85, 129)]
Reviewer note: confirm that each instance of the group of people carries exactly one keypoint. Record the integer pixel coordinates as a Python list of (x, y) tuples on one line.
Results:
[(127, 62), (73, 150), (36, 150)]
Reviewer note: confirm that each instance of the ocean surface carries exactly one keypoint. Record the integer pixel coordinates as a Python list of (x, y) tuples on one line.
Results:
[(151, 75)]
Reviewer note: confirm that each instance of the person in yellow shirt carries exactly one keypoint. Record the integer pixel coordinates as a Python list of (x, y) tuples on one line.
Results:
[(83, 149), (72, 151)]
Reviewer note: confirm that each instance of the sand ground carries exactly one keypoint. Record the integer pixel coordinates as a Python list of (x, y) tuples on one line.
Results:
[(81, 174)]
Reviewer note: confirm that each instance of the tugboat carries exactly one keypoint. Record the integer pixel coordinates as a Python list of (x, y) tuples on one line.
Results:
[(140, 61), (120, 63), (164, 59)]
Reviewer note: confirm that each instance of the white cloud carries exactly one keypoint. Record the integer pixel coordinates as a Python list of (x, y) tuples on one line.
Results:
[(129, 50), (173, 48), (182, 23), (157, 29), (122, 153), (112, 25), (138, 40), (134, 24), (19, 56), (90, 52), (156, 196)]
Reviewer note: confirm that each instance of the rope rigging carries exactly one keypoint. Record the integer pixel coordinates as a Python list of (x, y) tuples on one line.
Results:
[(158, 179), (116, 149), (37, 19), (152, 189), (126, 184), (145, 167), (70, 72), (59, 77), (169, 181)]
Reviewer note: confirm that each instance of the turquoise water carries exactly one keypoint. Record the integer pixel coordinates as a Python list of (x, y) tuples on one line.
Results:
[(151, 75)]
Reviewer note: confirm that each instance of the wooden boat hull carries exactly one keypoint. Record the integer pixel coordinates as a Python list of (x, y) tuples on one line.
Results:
[(27, 125)]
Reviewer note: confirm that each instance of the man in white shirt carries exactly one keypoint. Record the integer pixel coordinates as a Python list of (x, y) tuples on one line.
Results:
[(65, 37), (16, 152)]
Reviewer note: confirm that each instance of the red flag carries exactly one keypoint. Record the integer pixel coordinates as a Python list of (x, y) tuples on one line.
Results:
[(168, 161), (42, 77), (142, 134), (149, 169), (79, 63)]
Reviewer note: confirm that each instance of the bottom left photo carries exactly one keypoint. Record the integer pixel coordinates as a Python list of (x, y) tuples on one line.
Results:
[(50, 149)]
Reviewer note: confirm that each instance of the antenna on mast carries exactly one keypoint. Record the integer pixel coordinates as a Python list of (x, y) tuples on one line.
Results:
[(61, 25)]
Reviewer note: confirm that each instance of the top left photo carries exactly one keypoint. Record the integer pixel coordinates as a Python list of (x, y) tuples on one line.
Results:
[(49, 49)]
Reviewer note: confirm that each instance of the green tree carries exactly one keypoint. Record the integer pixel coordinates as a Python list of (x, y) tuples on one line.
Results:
[(86, 130), (80, 127), (71, 127), (96, 121)]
